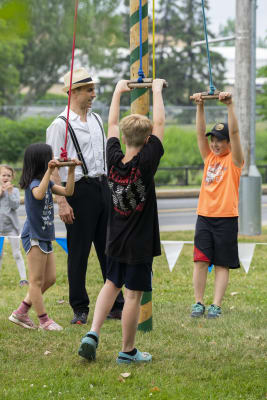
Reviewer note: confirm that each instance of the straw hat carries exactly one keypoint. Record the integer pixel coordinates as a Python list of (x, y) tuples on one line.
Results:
[(80, 77)]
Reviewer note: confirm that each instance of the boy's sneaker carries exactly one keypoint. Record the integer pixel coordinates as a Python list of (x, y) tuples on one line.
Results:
[(22, 320), (214, 311), (50, 325), (88, 346), (23, 282), (198, 310), (79, 318), (124, 358)]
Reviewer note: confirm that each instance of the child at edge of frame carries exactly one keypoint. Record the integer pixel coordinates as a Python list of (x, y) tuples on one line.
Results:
[(133, 229), (38, 231), (9, 221), (216, 232)]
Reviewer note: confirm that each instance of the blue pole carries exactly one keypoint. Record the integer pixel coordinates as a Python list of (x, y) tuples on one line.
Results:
[(140, 71)]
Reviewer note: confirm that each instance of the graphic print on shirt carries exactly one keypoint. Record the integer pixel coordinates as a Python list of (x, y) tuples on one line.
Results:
[(128, 193), (47, 212), (215, 173)]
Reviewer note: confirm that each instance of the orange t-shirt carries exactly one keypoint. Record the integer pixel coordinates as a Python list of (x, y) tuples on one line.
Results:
[(219, 189)]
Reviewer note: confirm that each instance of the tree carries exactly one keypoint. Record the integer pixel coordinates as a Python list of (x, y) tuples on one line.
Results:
[(262, 98), (13, 32), (47, 54), (183, 65)]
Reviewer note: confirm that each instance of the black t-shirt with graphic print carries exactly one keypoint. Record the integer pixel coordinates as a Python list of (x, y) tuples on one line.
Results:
[(133, 228)]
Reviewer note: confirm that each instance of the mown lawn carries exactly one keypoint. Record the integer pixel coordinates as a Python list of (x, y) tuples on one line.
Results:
[(204, 359)]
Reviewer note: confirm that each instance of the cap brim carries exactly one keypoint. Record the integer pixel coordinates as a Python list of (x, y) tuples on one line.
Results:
[(76, 85), (217, 135)]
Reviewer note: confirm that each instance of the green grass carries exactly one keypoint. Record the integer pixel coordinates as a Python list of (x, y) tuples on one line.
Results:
[(204, 359)]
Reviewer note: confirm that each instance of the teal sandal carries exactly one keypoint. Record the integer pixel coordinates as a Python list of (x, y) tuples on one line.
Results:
[(124, 358), (88, 346)]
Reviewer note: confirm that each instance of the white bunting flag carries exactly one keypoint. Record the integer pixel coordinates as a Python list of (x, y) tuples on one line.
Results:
[(172, 250), (246, 251)]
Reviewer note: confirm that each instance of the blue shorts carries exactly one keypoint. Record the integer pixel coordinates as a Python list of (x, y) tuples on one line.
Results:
[(44, 245), (133, 276)]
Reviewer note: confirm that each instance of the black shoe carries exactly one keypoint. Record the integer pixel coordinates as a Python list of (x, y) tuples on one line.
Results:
[(115, 314), (80, 318)]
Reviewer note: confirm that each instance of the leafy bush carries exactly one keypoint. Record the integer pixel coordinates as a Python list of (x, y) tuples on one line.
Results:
[(15, 136), (180, 147)]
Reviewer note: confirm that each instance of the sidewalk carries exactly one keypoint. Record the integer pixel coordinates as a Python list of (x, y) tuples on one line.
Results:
[(185, 193), (177, 193)]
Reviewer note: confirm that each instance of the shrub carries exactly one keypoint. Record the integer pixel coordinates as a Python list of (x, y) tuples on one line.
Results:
[(15, 136)]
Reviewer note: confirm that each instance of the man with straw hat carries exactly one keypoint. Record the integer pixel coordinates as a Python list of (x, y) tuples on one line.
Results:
[(85, 213)]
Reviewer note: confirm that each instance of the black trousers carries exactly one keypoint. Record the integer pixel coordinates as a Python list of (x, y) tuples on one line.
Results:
[(90, 203)]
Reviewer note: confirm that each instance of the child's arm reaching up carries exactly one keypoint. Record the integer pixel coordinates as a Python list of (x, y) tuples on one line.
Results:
[(39, 191), (69, 188), (203, 143), (236, 148), (114, 111), (158, 109)]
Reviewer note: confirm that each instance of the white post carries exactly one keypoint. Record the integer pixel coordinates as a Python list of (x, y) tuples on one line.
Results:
[(245, 95)]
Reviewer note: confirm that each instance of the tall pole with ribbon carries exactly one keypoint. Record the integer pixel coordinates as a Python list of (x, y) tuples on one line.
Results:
[(140, 104), (139, 54)]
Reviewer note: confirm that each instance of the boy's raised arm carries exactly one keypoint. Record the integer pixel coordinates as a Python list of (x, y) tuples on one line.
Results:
[(236, 148), (203, 143), (158, 109), (114, 111)]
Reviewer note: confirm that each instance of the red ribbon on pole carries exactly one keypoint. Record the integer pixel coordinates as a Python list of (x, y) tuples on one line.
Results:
[(64, 153)]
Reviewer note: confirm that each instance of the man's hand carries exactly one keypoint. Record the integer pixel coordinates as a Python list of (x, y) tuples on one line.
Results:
[(122, 86), (225, 97), (197, 98), (65, 211), (157, 84)]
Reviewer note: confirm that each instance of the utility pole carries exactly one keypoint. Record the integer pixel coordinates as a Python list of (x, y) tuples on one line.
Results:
[(245, 97), (140, 105)]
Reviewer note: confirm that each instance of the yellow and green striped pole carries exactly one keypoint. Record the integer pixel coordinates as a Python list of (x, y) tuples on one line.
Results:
[(139, 97), (140, 105)]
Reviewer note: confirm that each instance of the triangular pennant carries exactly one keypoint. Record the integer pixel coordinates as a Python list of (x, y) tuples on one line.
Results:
[(246, 251), (63, 243), (172, 251), (1, 243)]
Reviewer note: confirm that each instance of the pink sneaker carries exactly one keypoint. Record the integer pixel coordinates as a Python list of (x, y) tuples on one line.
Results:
[(50, 325), (22, 320)]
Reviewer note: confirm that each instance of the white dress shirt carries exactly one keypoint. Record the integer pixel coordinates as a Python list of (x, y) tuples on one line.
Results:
[(90, 138)]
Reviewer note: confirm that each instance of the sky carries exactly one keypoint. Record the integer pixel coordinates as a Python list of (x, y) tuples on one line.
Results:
[(221, 10)]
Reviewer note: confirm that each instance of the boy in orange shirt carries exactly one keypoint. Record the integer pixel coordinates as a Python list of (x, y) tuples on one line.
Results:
[(216, 231)]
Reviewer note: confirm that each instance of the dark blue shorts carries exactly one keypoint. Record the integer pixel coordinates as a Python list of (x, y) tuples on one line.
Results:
[(44, 245), (215, 241), (133, 276)]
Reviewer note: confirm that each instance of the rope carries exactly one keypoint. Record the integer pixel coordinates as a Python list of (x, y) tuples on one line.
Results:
[(140, 71), (64, 153), (154, 67), (212, 88)]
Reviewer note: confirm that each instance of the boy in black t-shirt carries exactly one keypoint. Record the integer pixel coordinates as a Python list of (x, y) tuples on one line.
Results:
[(133, 231)]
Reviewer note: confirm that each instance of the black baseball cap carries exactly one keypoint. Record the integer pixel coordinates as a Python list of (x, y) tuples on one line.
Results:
[(220, 131)]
